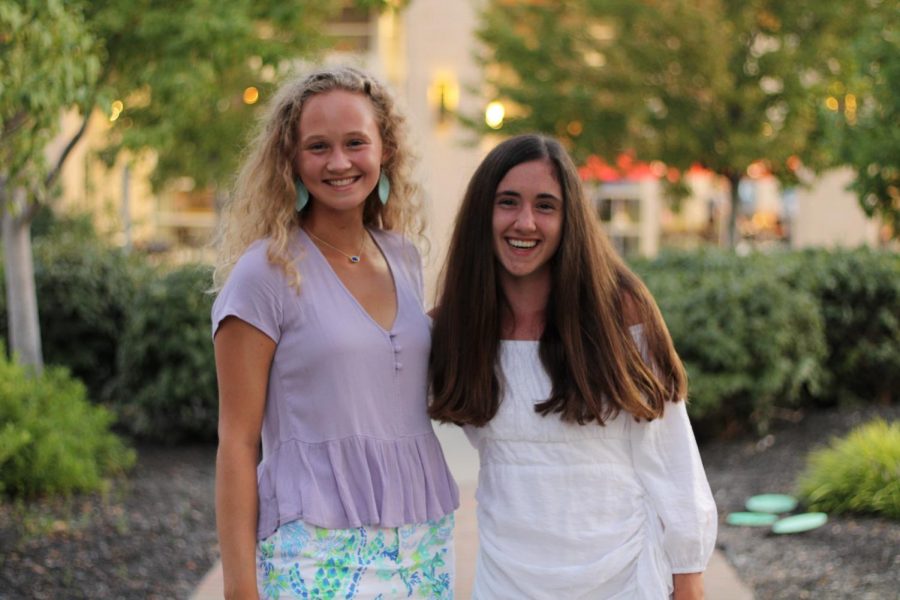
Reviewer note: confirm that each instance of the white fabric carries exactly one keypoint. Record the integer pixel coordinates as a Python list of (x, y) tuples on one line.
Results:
[(585, 512)]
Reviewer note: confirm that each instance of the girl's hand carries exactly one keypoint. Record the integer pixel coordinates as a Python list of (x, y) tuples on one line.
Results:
[(688, 586)]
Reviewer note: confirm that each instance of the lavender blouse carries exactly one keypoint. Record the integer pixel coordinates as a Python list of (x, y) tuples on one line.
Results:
[(346, 440)]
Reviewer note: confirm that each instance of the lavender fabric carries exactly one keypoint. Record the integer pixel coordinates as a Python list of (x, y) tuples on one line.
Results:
[(346, 438)]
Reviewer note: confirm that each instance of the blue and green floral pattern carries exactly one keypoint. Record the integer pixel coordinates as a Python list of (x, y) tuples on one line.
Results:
[(304, 561)]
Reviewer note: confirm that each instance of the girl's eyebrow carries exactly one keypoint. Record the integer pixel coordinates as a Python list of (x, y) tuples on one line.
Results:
[(541, 195), (318, 136)]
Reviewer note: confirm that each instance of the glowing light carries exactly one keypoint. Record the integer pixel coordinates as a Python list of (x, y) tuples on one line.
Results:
[(116, 109), (443, 95), (251, 95), (594, 59), (575, 128), (494, 114), (658, 168), (756, 170), (850, 108), (831, 103)]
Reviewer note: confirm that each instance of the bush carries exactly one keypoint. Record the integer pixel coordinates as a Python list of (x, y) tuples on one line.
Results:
[(750, 343), (52, 439), (166, 384), (858, 293), (85, 290), (859, 473)]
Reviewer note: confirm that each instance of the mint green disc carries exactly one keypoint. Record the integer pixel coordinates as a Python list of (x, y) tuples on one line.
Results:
[(799, 523), (771, 503), (750, 519)]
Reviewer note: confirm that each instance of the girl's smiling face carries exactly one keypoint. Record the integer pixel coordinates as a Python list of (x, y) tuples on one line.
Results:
[(340, 153), (527, 220)]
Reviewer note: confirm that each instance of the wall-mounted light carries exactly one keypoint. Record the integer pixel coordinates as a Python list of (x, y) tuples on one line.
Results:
[(443, 95), (116, 109), (494, 114)]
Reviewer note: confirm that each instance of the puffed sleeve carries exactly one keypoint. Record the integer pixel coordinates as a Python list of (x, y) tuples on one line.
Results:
[(254, 293), (668, 464)]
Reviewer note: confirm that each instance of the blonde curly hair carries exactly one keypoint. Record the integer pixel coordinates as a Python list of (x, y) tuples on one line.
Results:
[(262, 205)]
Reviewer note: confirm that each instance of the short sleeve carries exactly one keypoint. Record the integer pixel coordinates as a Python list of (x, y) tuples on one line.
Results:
[(408, 257), (254, 293), (668, 464), (414, 261)]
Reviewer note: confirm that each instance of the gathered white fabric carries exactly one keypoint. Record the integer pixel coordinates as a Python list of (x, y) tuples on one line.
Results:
[(584, 511)]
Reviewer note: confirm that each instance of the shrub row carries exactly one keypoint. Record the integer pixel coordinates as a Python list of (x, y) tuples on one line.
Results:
[(759, 334), (52, 439), (137, 335), (762, 334)]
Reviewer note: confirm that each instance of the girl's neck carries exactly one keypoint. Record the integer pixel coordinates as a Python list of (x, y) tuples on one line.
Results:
[(524, 315), (338, 228)]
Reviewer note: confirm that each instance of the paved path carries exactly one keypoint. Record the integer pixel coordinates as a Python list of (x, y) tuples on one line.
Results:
[(720, 579)]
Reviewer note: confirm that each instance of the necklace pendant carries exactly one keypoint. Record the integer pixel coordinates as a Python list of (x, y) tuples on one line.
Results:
[(354, 259)]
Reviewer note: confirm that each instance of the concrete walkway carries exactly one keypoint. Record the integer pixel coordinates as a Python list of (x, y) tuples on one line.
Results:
[(720, 579)]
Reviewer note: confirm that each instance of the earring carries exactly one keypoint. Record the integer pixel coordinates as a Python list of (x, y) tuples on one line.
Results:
[(384, 188), (302, 194)]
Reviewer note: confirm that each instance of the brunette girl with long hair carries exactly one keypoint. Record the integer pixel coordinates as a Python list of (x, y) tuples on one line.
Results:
[(321, 345), (556, 359)]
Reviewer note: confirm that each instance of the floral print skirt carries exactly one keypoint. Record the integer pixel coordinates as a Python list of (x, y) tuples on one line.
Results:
[(372, 563)]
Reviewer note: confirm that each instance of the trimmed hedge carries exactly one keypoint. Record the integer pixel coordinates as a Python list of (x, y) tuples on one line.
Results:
[(767, 331), (858, 293), (166, 384), (137, 335), (758, 333), (53, 440), (86, 291), (750, 343), (859, 473)]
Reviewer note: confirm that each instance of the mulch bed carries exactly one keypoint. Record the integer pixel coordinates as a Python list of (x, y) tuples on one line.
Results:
[(153, 535), (849, 557), (150, 537)]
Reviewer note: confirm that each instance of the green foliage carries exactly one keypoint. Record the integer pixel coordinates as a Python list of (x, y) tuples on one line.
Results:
[(864, 128), (166, 383), (790, 329), (750, 343), (858, 293), (136, 335), (859, 473), (48, 62), (85, 289), (723, 83), (52, 439), (180, 69)]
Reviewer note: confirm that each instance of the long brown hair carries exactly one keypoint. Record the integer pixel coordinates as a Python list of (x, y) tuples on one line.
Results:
[(596, 367)]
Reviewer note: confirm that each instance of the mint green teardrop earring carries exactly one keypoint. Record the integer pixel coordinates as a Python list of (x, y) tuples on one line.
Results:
[(302, 194), (384, 188)]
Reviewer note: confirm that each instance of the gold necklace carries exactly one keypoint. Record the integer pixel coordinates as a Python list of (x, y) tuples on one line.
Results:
[(354, 258)]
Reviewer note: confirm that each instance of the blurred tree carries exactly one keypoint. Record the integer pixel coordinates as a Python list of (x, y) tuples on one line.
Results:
[(721, 83), (170, 75), (865, 112), (48, 62)]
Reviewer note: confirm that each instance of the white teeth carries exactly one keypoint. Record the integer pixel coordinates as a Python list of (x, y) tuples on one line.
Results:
[(340, 182), (522, 243)]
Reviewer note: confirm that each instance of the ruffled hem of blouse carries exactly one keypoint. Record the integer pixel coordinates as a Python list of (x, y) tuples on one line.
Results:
[(355, 481)]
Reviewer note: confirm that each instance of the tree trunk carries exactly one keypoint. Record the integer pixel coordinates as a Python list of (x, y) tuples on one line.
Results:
[(733, 181), (21, 299)]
